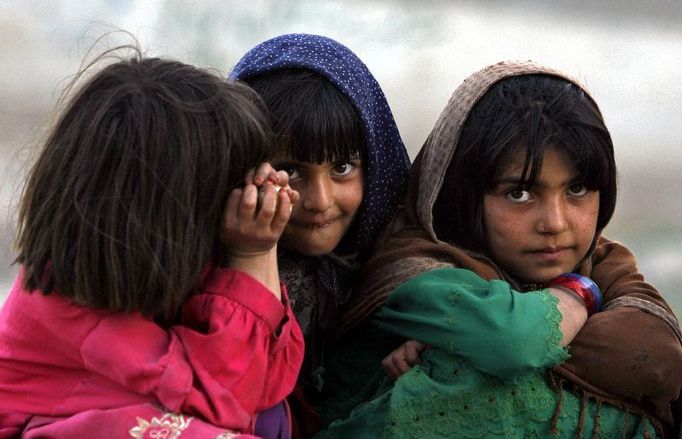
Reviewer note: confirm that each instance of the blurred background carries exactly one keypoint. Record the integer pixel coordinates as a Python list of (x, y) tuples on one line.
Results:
[(628, 52)]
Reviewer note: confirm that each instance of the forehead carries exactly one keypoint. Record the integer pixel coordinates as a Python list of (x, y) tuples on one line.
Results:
[(511, 163), (554, 160)]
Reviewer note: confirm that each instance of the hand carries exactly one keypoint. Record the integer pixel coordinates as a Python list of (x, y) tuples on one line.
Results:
[(250, 230), (250, 233), (403, 358)]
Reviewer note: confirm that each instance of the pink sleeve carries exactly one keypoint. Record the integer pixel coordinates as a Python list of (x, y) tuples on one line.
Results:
[(250, 350), (238, 351)]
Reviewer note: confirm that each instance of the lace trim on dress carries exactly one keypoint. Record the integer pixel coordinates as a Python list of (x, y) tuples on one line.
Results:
[(556, 354)]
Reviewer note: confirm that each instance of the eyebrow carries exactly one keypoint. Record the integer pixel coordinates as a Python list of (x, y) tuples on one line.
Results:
[(512, 178), (508, 180), (516, 181), (294, 162)]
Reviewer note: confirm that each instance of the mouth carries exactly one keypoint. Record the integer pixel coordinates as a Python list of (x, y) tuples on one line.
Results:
[(550, 253), (550, 250), (312, 224)]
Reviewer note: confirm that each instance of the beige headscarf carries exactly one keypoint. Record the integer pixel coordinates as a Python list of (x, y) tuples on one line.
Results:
[(630, 354)]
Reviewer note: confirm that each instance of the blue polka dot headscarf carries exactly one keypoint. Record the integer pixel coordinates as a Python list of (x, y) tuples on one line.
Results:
[(386, 162)]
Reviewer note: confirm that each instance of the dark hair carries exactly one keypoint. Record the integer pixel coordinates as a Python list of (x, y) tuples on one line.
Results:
[(311, 118), (122, 208), (534, 112)]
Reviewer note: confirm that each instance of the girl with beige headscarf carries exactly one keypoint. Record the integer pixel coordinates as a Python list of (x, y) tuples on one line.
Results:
[(496, 261)]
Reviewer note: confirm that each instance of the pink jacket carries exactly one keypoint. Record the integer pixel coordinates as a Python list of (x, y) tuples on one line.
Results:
[(237, 351)]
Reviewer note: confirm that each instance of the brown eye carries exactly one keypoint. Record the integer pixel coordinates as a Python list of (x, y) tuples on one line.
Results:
[(343, 168), (518, 195), (577, 190)]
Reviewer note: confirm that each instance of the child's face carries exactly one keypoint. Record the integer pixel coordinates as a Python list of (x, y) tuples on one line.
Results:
[(331, 193), (541, 232)]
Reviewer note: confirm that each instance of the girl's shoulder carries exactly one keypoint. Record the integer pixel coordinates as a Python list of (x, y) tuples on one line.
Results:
[(447, 275)]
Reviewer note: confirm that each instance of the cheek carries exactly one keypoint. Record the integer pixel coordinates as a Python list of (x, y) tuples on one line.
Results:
[(501, 232), (587, 213), (504, 230), (493, 222), (588, 222), (351, 196)]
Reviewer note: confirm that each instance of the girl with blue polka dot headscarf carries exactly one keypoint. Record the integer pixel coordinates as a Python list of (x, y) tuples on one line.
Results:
[(327, 109)]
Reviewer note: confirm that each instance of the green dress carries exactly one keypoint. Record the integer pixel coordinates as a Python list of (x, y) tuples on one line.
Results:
[(485, 375)]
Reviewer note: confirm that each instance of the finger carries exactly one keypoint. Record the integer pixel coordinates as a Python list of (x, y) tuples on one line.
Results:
[(282, 178), (267, 204), (247, 206), (248, 178), (412, 356), (397, 362), (261, 174), (413, 352), (264, 172), (284, 209), (402, 365), (391, 371), (294, 196), (420, 346)]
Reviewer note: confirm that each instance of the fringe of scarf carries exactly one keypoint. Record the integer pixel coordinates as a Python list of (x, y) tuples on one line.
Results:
[(557, 384)]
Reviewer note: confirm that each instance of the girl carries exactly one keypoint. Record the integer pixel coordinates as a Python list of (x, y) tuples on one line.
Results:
[(149, 293), (336, 137), (510, 193)]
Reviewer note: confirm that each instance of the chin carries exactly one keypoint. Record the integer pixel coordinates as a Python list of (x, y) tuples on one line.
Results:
[(543, 278), (538, 276), (312, 250)]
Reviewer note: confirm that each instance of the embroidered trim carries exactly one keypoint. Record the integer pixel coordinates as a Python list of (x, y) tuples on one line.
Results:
[(556, 354), (168, 426)]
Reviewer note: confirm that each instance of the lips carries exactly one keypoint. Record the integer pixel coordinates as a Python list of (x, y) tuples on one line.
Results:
[(550, 254), (315, 224), (550, 250)]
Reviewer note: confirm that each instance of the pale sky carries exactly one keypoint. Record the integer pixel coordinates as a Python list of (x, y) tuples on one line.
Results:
[(628, 53)]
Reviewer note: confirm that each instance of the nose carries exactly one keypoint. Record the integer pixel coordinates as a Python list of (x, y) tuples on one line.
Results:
[(553, 218), (317, 195)]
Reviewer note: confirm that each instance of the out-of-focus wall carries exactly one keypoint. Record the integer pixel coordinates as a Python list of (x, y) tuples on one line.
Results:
[(627, 52)]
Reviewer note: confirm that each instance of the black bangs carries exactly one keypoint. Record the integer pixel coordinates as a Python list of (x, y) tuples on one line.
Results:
[(566, 119), (311, 118), (587, 155)]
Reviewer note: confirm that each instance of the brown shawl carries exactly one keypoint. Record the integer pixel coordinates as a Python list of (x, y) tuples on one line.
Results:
[(630, 354)]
